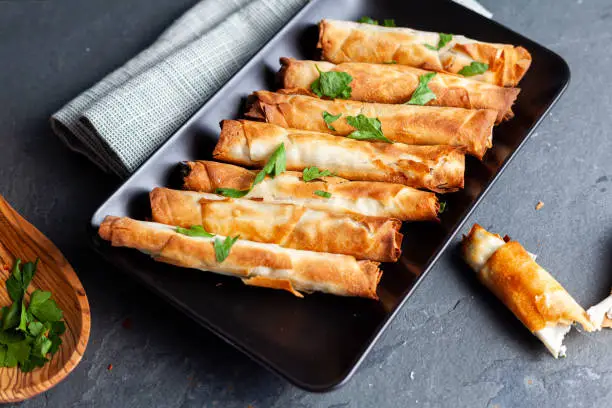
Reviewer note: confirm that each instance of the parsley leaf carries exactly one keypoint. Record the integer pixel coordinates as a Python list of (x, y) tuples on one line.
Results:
[(194, 231), (475, 68), (43, 307), (58, 328), (312, 173), (390, 62), (332, 84), (329, 118), (276, 165), (8, 337), (422, 93), (35, 328), (20, 278), (368, 20), (442, 41), (18, 352), (322, 193), (442, 207), (33, 362), (11, 316), (41, 345), (232, 192), (223, 247), (367, 128), (23, 318)]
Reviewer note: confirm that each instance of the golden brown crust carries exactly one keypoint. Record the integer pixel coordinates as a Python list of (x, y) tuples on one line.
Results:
[(395, 84), (264, 282), (288, 225), (410, 124), (233, 143), (344, 41), (209, 175), (305, 271), (532, 294), (438, 168), (381, 199)]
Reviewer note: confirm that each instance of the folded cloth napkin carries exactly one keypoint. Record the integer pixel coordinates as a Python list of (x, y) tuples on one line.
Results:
[(122, 119), (126, 116)]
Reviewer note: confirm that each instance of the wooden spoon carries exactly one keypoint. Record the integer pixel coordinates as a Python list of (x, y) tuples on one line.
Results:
[(20, 239)]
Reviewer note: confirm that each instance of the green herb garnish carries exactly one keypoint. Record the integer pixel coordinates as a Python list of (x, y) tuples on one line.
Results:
[(194, 231), (390, 62), (276, 165), (313, 173), (442, 41), (475, 68), (423, 94), (232, 192), (442, 207), (223, 247), (332, 84), (329, 118), (367, 20), (322, 193), (367, 128), (29, 333)]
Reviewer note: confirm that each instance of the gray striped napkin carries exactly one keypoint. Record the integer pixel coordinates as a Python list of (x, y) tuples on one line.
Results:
[(122, 119)]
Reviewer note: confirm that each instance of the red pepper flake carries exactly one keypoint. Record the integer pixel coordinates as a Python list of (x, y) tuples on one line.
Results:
[(110, 367), (127, 324)]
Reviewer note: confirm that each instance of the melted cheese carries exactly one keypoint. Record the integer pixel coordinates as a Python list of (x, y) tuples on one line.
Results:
[(552, 337), (600, 311), (481, 247)]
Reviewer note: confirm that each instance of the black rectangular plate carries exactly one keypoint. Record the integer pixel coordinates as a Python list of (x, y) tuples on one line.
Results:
[(318, 342)]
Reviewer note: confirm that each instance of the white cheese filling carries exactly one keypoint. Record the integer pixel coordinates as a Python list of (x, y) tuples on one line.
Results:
[(481, 249), (600, 311), (552, 337)]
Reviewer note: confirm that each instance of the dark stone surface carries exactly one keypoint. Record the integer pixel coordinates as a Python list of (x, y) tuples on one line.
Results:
[(452, 345)]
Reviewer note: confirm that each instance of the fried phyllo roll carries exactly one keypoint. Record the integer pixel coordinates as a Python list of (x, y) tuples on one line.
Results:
[(409, 124), (290, 226), (395, 84), (528, 290), (438, 168), (257, 264), (347, 41), (369, 198)]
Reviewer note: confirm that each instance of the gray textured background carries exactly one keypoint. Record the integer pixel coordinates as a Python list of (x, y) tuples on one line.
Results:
[(452, 345)]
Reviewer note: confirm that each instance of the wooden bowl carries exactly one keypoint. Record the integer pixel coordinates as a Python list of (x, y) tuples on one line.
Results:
[(20, 239)]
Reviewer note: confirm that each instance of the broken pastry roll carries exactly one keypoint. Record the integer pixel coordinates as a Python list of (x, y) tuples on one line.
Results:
[(288, 225), (528, 290), (601, 313), (257, 264)]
